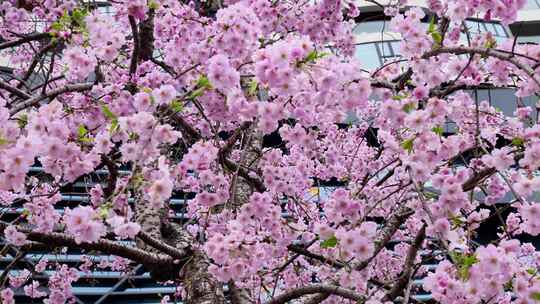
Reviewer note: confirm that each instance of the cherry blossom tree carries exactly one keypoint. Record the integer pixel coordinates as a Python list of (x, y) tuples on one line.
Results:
[(175, 96)]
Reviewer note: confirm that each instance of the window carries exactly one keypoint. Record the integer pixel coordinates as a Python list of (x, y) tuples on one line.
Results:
[(496, 29), (375, 54), (388, 50), (372, 27), (529, 39), (532, 4), (368, 56), (506, 100)]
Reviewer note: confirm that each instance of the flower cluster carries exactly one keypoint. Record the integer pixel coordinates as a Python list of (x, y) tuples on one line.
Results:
[(222, 75), (239, 31), (80, 63), (84, 224)]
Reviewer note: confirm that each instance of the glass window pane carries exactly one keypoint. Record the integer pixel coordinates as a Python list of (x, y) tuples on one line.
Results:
[(525, 39), (386, 49), (473, 26), (372, 27), (396, 47), (367, 55), (500, 29), (505, 100), (491, 28), (532, 4), (531, 101)]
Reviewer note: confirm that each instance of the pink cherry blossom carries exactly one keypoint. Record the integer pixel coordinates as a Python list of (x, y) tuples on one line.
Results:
[(14, 237), (83, 223)]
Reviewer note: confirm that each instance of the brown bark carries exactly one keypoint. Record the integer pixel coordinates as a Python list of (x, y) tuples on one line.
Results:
[(146, 37), (150, 220), (201, 287), (78, 87), (238, 295), (392, 225), (25, 39), (403, 280), (316, 289), (54, 239)]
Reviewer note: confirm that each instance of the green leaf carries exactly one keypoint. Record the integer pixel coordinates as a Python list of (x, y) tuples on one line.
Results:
[(431, 27), (22, 121), (83, 134), (490, 43), (112, 117), (437, 37), (202, 85), (78, 16), (463, 263), (431, 195), (65, 18), (82, 131), (57, 26), (198, 92), (457, 221), (313, 55), (329, 243), (408, 107), (114, 126), (535, 296), (518, 141), (3, 141), (408, 145), (104, 210), (137, 180), (153, 5), (398, 97), (252, 89), (438, 130), (133, 136), (62, 23), (203, 82), (531, 271), (177, 105), (108, 113)]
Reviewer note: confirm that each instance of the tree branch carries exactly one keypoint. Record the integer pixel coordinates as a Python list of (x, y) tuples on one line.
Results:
[(486, 52), (303, 251), (112, 177), (17, 92), (63, 240), (29, 38), (36, 59), (315, 289), (179, 253), (392, 225), (316, 299), (408, 266), (79, 87), (477, 178), (136, 45)]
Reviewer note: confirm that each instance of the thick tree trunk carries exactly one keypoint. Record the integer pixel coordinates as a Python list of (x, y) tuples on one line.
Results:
[(201, 287), (146, 37), (249, 158), (150, 220)]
